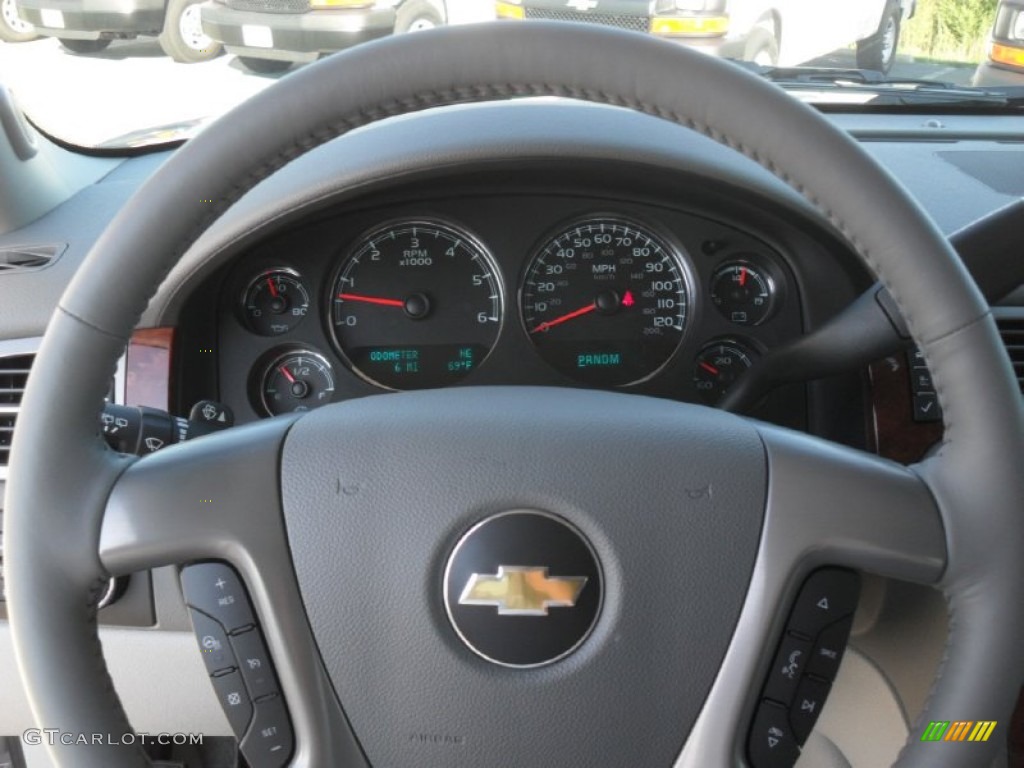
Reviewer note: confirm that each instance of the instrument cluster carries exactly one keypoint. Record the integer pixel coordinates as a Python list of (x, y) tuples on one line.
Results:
[(609, 299)]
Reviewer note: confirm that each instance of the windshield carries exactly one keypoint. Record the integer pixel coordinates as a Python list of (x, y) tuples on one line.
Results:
[(122, 73)]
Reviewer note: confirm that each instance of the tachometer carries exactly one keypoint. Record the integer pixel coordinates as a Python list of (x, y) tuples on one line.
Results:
[(416, 304), (605, 301)]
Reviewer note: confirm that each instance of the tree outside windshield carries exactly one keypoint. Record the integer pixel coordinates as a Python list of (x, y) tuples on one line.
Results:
[(134, 72)]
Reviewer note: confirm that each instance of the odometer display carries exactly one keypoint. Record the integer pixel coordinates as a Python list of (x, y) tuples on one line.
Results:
[(416, 304), (605, 301)]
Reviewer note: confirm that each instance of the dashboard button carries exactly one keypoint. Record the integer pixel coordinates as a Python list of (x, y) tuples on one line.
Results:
[(810, 698), (828, 651), (926, 407), (787, 668), (771, 743), (254, 662), (268, 744), (829, 594), (216, 590), (234, 700), (921, 381), (213, 643)]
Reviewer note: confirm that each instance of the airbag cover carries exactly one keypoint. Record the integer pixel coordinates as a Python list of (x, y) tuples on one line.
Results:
[(379, 491)]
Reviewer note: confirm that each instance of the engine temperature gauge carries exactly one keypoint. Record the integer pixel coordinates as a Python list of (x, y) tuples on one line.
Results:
[(275, 302), (296, 380), (718, 365), (744, 293)]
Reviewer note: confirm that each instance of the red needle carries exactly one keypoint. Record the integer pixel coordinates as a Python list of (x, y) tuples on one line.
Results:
[(273, 288), (743, 276), (372, 300), (287, 374), (709, 368), (559, 320)]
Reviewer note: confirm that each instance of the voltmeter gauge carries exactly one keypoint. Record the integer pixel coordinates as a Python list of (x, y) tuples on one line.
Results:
[(743, 292), (296, 380), (719, 365), (275, 302)]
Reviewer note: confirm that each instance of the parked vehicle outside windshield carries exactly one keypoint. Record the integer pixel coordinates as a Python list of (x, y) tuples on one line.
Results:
[(120, 73)]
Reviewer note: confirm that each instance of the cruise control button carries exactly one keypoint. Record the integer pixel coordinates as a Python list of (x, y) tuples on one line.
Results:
[(829, 594), (216, 590), (268, 744), (787, 669), (254, 662), (234, 700), (828, 651), (213, 643), (810, 698), (771, 743)]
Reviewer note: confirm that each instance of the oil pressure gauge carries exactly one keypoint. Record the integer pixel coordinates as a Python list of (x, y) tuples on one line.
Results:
[(275, 302)]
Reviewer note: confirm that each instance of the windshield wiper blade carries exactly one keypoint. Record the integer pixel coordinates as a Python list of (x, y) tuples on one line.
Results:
[(883, 90), (843, 75)]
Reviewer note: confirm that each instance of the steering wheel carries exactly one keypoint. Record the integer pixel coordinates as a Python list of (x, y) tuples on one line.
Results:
[(341, 523)]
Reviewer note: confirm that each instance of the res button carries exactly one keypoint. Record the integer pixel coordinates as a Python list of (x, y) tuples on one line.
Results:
[(216, 590)]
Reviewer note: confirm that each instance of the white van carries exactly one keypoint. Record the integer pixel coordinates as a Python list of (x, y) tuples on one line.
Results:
[(772, 32)]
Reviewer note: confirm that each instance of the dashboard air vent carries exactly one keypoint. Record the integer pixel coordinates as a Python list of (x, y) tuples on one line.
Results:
[(1012, 331), (13, 375), (24, 258)]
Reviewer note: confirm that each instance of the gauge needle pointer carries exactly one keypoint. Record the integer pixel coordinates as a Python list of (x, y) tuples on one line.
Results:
[(709, 368), (564, 318), (287, 374), (273, 288), (372, 300)]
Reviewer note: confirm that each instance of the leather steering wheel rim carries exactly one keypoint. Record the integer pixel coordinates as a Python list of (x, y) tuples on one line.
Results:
[(62, 476)]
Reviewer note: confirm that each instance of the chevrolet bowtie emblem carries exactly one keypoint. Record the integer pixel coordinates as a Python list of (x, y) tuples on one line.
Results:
[(522, 591)]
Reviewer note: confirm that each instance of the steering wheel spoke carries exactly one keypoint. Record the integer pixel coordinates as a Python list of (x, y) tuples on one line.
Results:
[(832, 505), (219, 498), (215, 498), (826, 505)]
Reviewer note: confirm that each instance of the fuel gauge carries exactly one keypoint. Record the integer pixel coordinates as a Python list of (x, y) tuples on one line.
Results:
[(275, 302), (296, 380)]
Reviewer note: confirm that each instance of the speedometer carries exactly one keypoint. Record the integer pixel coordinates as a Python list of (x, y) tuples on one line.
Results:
[(416, 304), (605, 301)]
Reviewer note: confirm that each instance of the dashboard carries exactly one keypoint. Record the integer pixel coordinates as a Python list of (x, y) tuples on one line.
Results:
[(620, 275), (527, 288)]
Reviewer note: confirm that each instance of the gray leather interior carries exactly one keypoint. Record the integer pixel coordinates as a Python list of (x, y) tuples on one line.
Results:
[(60, 475)]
